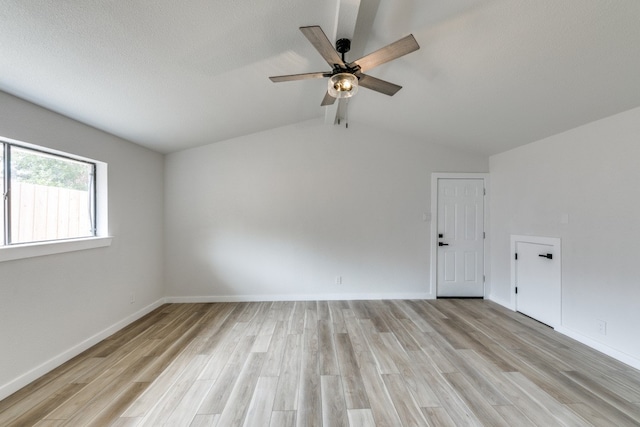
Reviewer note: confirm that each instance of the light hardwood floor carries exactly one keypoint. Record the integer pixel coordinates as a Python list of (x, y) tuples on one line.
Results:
[(336, 363)]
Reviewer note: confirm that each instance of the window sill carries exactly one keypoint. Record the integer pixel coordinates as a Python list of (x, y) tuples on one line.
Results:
[(30, 250)]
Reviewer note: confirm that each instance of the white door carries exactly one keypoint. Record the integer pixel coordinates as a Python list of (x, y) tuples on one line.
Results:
[(538, 282), (460, 250)]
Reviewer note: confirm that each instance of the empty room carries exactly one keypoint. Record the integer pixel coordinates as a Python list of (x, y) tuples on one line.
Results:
[(302, 213)]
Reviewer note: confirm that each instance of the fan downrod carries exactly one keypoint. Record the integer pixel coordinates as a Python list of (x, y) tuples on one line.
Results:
[(343, 46)]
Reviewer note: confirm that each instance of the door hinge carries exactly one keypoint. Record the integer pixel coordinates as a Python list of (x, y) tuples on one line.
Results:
[(484, 191), (516, 256), (484, 234), (516, 289), (484, 278)]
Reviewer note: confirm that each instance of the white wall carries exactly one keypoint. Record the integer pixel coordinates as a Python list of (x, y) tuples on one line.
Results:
[(282, 213), (53, 306), (592, 174)]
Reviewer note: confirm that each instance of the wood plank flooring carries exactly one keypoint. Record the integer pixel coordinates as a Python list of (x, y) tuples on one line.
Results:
[(333, 363)]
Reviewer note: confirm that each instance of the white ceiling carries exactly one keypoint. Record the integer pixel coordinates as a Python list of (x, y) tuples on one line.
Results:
[(490, 75)]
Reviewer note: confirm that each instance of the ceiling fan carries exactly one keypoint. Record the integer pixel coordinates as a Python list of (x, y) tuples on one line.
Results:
[(345, 77)]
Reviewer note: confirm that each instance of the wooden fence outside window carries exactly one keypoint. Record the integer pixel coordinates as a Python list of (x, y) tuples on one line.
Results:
[(40, 213)]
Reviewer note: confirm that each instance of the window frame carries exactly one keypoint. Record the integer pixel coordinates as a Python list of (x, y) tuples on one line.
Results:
[(99, 208)]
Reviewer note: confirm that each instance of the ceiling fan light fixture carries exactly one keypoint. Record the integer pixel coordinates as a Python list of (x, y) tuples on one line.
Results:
[(343, 85)]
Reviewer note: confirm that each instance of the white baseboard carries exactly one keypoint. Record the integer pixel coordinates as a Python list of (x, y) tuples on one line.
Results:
[(590, 342), (603, 348), (300, 297), (504, 303), (26, 378)]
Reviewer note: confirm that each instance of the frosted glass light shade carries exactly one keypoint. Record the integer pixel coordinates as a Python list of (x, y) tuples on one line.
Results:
[(343, 85)]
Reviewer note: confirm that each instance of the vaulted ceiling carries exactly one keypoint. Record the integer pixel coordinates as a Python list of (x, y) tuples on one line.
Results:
[(490, 75)]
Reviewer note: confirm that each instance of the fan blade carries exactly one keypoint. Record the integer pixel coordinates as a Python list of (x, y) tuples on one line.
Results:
[(388, 53), (304, 76), (328, 100), (378, 85), (319, 40)]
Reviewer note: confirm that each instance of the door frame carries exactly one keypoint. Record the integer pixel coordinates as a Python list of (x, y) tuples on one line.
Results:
[(556, 242), (435, 176)]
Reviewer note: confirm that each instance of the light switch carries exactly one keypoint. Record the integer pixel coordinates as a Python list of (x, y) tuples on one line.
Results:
[(426, 216)]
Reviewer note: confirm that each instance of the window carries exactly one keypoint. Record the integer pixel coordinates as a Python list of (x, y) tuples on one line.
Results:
[(48, 196)]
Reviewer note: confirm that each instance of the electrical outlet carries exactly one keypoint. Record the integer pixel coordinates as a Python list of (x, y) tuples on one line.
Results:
[(602, 327), (338, 280)]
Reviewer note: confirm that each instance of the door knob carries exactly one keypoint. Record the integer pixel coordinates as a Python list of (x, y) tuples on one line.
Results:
[(548, 256), (446, 244)]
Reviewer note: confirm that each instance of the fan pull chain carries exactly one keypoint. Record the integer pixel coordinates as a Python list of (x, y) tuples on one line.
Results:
[(346, 114)]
